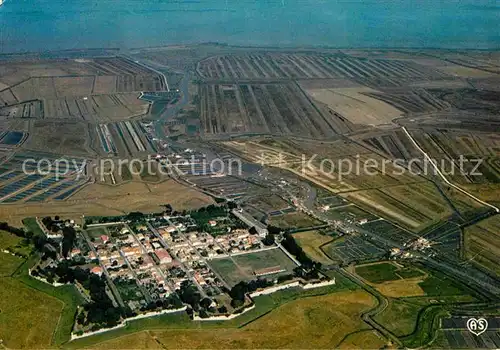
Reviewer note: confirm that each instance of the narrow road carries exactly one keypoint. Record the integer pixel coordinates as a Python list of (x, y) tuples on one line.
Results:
[(144, 292), (201, 258), (181, 264), (111, 285), (145, 252)]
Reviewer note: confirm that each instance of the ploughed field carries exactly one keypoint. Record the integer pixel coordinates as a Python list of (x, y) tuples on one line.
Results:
[(261, 108), (273, 66)]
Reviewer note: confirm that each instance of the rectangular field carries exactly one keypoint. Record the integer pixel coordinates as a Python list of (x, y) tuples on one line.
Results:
[(352, 248), (53, 87), (29, 110), (356, 105), (482, 243), (244, 267), (311, 242), (294, 220), (261, 108), (98, 108), (386, 271), (59, 137), (124, 138)]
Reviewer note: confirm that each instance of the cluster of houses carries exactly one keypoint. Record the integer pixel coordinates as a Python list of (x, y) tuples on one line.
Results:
[(159, 255), (146, 261)]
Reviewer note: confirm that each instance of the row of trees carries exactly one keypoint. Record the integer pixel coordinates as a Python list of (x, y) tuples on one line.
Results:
[(14, 230), (38, 241), (101, 310), (239, 291)]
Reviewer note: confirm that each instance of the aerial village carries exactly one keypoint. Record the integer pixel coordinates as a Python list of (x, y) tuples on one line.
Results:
[(206, 262)]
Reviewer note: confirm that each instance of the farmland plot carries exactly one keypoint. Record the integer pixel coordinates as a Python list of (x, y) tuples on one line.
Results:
[(96, 108), (53, 88), (482, 243), (123, 138), (313, 66), (260, 108), (57, 137)]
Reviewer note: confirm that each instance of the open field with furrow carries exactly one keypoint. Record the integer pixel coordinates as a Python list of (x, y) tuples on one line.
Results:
[(135, 137), (124, 139), (116, 66), (424, 197), (394, 144), (104, 84), (261, 108), (310, 66), (460, 201), (479, 100), (386, 206), (123, 136), (482, 243), (53, 87), (410, 101), (464, 157)]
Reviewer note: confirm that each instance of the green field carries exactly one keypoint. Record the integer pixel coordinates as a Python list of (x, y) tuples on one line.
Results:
[(28, 318), (9, 264), (311, 242), (482, 243), (413, 319), (226, 268), (96, 232), (350, 212), (383, 272), (409, 273), (400, 317), (378, 273), (33, 314), (14, 244), (242, 267), (8, 240), (67, 295), (434, 284), (439, 285), (32, 225)]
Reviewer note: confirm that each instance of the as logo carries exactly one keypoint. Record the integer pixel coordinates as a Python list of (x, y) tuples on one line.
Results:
[(477, 326)]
